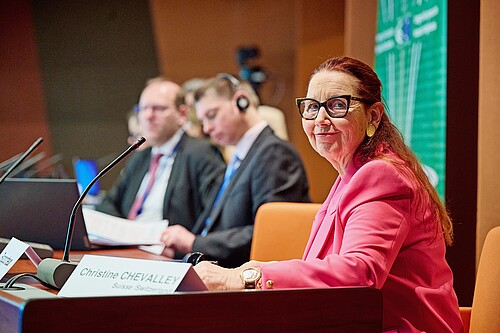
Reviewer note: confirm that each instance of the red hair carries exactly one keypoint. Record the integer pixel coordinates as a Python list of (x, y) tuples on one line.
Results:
[(388, 144)]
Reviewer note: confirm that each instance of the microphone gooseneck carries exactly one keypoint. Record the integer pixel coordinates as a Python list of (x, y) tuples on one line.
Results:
[(56, 272), (72, 217), (21, 158)]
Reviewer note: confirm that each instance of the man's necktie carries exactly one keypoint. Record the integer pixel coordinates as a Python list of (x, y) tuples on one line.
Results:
[(230, 171), (139, 201)]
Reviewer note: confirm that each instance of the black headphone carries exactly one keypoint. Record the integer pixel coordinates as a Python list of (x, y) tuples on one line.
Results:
[(242, 102)]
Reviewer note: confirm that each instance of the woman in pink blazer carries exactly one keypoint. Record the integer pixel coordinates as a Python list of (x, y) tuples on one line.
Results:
[(382, 225)]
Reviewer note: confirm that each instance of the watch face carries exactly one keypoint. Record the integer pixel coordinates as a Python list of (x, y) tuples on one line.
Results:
[(250, 274)]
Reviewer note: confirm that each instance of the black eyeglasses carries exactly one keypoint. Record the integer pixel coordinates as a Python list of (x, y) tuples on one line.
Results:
[(335, 107), (156, 108)]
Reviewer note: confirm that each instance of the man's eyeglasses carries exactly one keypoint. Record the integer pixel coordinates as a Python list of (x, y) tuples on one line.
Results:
[(335, 107), (154, 108)]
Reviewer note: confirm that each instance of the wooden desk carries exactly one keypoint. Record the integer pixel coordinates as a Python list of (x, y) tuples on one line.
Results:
[(25, 266), (298, 310)]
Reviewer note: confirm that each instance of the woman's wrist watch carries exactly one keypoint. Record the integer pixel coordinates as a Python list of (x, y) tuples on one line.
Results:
[(251, 277)]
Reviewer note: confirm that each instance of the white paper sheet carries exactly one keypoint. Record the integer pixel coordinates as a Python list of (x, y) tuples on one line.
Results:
[(105, 229)]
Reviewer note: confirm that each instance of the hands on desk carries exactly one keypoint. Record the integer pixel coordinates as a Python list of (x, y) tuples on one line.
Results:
[(177, 238), (218, 278)]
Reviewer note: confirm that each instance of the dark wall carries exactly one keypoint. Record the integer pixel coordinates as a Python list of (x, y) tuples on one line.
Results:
[(461, 138), (95, 57)]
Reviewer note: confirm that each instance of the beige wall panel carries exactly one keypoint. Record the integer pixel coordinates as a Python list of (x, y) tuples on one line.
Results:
[(320, 35), (360, 29), (199, 39), (488, 215)]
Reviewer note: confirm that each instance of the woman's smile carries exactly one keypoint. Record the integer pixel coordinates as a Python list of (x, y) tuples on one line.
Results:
[(322, 134)]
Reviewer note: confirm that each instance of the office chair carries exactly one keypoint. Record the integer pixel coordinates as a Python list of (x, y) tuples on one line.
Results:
[(484, 315), (281, 230)]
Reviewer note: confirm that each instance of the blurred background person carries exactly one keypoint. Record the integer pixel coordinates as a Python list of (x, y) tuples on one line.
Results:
[(170, 179), (192, 124), (273, 116), (276, 120), (263, 169)]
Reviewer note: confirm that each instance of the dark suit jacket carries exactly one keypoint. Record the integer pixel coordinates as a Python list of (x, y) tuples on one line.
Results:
[(271, 171), (196, 166)]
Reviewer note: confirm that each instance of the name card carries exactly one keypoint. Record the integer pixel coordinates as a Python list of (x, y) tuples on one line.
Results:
[(114, 276), (12, 252)]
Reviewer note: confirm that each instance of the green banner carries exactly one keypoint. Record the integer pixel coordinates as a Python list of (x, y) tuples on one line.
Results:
[(410, 59)]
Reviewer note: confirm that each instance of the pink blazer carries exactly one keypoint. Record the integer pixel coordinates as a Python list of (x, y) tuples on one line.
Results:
[(368, 233)]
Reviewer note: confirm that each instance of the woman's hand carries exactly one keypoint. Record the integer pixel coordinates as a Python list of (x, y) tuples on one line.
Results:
[(219, 278)]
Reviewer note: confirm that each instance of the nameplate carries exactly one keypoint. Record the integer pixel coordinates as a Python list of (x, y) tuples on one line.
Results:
[(12, 252), (114, 276)]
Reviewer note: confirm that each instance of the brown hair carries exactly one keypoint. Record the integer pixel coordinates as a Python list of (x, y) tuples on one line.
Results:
[(388, 141), (224, 87)]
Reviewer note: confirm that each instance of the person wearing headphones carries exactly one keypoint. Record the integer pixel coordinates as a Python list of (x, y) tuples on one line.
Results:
[(263, 169)]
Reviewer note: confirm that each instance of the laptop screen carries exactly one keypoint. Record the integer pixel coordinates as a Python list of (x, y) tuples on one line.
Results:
[(38, 210), (85, 171)]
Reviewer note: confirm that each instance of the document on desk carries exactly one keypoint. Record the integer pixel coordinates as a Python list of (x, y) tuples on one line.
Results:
[(105, 229)]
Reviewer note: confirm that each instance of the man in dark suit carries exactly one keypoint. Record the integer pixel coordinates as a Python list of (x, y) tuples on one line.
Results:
[(264, 168), (175, 189)]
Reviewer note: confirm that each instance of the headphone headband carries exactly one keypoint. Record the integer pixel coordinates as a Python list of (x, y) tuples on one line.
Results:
[(234, 81), (242, 102)]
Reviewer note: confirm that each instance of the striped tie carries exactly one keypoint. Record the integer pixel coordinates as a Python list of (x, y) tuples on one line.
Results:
[(139, 201)]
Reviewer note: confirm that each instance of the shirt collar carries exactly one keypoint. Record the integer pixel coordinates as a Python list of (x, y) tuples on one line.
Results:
[(167, 148), (246, 142)]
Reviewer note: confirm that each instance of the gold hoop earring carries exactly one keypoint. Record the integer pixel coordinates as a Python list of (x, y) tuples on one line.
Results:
[(370, 130)]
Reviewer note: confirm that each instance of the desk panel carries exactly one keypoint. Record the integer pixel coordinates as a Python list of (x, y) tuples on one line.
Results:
[(298, 310)]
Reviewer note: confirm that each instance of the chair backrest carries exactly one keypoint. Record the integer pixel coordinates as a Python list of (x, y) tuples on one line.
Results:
[(281, 230), (485, 315)]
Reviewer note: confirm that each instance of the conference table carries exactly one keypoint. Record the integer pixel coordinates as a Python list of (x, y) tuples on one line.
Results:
[(356, 309)]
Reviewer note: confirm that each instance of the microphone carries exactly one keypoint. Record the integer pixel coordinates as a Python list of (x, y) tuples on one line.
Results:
[(21, 158), (50, 162), (7, 163), (55, 272), (28, 164)]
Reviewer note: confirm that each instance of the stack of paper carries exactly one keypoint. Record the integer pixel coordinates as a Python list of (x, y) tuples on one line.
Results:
[(104, 229)]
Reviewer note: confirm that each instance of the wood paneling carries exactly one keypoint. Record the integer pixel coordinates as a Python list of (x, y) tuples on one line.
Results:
[(199, 39), (488, 205), (320, 35), (22, 116)]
